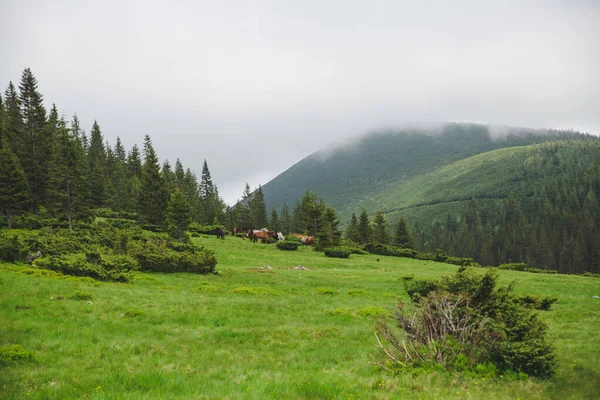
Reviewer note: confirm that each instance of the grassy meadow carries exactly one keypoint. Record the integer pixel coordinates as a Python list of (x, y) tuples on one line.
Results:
[(255, 333)]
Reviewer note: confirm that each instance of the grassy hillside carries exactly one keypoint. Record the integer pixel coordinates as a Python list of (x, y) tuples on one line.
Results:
[(252, 333), (359, 174)]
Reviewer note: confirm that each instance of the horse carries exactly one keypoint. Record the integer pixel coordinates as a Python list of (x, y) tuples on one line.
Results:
[(239, 230), (307, 240), (220, 232), (280, 236), (255, 235)]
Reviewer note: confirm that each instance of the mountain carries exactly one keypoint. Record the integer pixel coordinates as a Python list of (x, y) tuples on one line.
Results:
[(527, 195)]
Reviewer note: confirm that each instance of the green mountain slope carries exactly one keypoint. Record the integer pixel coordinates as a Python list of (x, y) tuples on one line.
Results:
[(462, 192), (354, 176)]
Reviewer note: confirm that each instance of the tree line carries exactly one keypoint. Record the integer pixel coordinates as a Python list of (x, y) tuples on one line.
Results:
[(52, 169)]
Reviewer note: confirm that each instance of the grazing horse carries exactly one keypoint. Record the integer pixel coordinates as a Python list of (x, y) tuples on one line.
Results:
[(307, 240), (220, 232), (255, 235), (280, 236), (239, 230)]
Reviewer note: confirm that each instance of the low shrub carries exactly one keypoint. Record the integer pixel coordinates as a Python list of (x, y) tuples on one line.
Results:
[(133, 313), (340, 312), (337, 252), (513, 266), (438, 256), (161, 255), (418, 288), (81, 296), (466, 322), (257, 291), (12, 248), (461, 261), (289, 245), (80, 265), (327, 291), (536, 302), (14, 353), (372, 312)]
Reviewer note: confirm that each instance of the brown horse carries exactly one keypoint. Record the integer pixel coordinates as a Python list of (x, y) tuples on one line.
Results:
[(255, 235), (307, 240)]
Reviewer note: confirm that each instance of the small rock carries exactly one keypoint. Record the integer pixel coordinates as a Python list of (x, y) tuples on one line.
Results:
[(595, 297)]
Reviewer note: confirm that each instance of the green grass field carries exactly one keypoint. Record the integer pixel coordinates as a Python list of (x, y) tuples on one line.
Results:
[(252, 333)]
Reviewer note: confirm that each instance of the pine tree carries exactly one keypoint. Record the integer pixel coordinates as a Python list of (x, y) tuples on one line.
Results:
[(14, 119), (34, 146), (153, 198), (14, 189), (274, 220), (178, 215), (402, 238), (120, 199), (179, 174), (191, 193), (168, 176), (67, 174), (206, 183), (330, 233), (285, 220), (134, 163), (379, 230), (352, 230), (298, 225), (96, 167), (364, 227), (312, 213), (258, 209)]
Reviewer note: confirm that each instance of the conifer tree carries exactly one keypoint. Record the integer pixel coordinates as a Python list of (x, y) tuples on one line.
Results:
[(96, 166), (168, 176), (14, 119), (190, 191), (34, 146), (352, 230), (178, 215), (67, 174), (312, 213), (274, 220), (153, 198), (285, 220), (179, 174), (120, 199), (364, 227), (330, 233), (298, 225), (258, 209), (14, 188), (134, 162), (379, 230), (402, 237)]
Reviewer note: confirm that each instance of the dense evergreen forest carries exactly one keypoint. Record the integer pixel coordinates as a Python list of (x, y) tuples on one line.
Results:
[(53, 173)]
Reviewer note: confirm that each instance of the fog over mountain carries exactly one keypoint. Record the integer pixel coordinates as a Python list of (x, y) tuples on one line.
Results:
[(254, 87)]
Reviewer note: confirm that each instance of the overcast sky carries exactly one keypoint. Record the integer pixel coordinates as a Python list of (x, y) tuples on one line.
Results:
[(255, 86)]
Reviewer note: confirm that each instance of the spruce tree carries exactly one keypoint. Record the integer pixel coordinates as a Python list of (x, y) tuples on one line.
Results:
[(179, 174), (330, 233), (14, 188), (274, 220), (96, 167), (258, 209), (178, 215), (14, 119), (120, 199), (153, 197), (402, 237), (67, 174), (364, 227), (379, 231), (285, 220), (192, 195), (34, 146), (352, 230), (312, 213)]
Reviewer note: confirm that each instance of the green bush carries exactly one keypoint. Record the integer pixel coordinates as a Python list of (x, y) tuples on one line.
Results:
[(163, 256), (337, 252), (91, 264), (466, 322), (12, 248), (417, 288), (14, 353), (81, 296), (289, 245), (513, 266), (385, 250), (536, 302), (462, 261)]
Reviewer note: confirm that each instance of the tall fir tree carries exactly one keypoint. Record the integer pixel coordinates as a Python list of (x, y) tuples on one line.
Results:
[(153, 197), (285, 219), (312, 213), (14, 119), (96, 167), (258, 209), (364, 227), (34, 146), (14, 188), (192, 195), (402, 237), (274, 220), (178, 215), (67, 187), (352, 230), (330, 234), (179, 174), (379, 231)]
